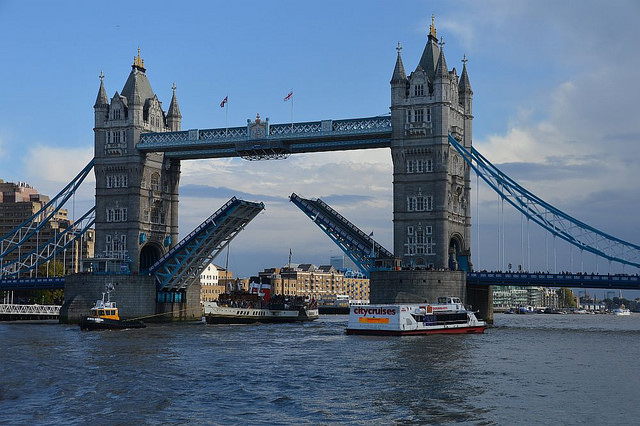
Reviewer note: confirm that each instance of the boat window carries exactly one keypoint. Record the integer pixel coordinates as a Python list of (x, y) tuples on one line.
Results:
[(100, 312)]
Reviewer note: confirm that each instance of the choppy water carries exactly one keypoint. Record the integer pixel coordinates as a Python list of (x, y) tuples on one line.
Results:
[(531, 369)]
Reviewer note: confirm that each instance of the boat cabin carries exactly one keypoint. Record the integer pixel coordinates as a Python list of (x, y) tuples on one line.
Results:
[(107, 310)]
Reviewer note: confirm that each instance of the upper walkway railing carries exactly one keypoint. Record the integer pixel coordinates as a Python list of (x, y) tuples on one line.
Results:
[(277, 141)]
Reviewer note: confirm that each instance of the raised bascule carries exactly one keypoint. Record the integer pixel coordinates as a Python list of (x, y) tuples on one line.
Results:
[(138, 150)]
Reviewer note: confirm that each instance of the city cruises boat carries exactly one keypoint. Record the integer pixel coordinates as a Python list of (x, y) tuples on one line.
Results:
[(105, 316), (448, 316), (258, 306)]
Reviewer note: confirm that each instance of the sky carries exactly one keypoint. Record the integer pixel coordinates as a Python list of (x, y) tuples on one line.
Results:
[(555, 107)]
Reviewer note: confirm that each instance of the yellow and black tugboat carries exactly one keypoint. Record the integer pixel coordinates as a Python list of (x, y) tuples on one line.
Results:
[(104, 315)]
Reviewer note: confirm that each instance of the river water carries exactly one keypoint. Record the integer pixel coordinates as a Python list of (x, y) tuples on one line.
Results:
[(533, 369)]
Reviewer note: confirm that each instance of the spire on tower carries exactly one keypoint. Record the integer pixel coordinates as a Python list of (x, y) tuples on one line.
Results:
[(101, 99), (441, 68), (174, 118), (464, 85), (174, 109), (398, 72)]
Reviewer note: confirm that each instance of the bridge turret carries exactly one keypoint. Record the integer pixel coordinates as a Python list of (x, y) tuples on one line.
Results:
[(399, 89), (465, 95), (174, 117), (101, 107)]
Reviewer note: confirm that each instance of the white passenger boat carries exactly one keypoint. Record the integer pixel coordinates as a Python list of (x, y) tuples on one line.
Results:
[(448, 316)]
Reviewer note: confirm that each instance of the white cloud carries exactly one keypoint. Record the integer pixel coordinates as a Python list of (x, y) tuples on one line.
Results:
[(361, 182), (50, 169)]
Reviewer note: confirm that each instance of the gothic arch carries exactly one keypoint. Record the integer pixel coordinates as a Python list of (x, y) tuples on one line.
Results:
[(149, 254), (458, 256)]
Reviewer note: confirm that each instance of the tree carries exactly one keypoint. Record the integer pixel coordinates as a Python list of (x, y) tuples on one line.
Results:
[(566, 298), (48, 297)]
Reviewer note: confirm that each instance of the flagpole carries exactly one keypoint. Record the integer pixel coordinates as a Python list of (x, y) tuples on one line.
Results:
[(292, 96), (226, 117)]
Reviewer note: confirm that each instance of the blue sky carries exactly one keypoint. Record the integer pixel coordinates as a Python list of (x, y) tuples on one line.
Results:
[(555, 103)]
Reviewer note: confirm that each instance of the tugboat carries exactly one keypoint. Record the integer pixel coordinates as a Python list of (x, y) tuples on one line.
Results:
[(448, 316), (257, 305), (104, 315)]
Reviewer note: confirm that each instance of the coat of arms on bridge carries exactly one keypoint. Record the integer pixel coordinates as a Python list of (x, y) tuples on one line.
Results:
[(258, 129), (259, 145)]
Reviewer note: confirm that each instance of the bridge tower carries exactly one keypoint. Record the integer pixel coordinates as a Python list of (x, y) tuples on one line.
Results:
[(431, 182), (136, 193)]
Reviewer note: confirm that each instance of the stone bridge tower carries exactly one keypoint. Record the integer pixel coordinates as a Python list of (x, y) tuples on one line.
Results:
[(431, 184), (431, 181), (136, 193)]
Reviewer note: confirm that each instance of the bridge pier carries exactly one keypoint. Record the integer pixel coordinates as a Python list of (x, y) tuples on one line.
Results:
[(135, 295), (480, 297), (416, 286)]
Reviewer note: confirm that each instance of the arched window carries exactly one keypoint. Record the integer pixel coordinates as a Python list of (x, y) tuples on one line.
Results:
[(155, 181)]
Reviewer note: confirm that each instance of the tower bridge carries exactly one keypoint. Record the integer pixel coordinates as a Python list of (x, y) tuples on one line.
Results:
[(139, 148)]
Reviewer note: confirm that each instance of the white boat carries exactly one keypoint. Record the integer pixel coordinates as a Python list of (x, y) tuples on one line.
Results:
[(622, 310), (258, 305), (448, 316)]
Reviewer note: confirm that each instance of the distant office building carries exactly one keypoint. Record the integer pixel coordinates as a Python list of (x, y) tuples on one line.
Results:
[(342, 263), (18, 202)]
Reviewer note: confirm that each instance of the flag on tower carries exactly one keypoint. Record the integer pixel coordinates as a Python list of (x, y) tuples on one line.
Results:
[(286, 98), (224, 101)]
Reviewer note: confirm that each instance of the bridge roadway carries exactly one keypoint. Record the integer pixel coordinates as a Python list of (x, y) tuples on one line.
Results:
[(617, 281), (277, 141), (614, 282)]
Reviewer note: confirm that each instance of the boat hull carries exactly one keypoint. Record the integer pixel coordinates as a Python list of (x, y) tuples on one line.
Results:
[(228, 315), (448, 330), (94, 323)]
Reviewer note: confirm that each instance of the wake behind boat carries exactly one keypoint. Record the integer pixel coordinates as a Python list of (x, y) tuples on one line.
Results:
[(448, 316), (257, 305)]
